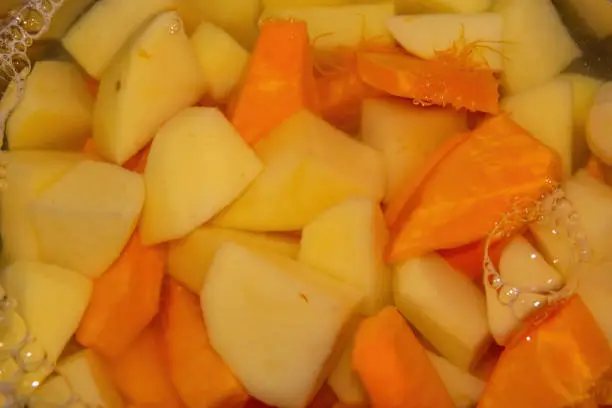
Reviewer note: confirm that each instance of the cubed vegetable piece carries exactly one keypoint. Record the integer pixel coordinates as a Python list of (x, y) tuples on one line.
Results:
[(126, 17), (54, 390), (426, 35), (198, 373), (189, 258), (407, 135), (464, 389), (599, 133), (546, 111), (434, 297), (158, 65), (556, 365), (596, 14), (595, 290), (55, 111), (198, 164), (443, 6), (284, 4), (347, 241), (345, 382), (85, 219), (125, 299), (393, 365), (28, 173), (308, 167), (88, 376), (445, 213), (278, 82), (531, 28), (50, 299), (221, 58), (250, 314)]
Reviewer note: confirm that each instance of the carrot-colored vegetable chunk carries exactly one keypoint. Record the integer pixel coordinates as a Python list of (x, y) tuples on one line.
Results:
[(124, 299), (557, 364), (434, 82), (460, 198), (393, 366), (279, 80), (141, 372), (325, 398), (468, 258), (197, 371)]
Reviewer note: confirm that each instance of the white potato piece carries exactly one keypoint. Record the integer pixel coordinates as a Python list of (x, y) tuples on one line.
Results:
[(436, 300), (348, 26), (237, 17), (28, 173), (424, 34), (442, 6), (464, 389), (84, 220), (406, 135), (276, 317), (599, 124), (222, 60), (345, 382), (54, 390), (595, 289), (198, 164), (584, 89), (50, 299), (521, 266), (546, 111), (285, 4), (155, 77), (597, 14), (55, 111), (348, 241), (88, 377), (118, 20), (189, 258), (309, 166), (537, 46)]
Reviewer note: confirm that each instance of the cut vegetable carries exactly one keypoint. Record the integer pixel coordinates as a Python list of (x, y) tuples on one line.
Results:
[(442, 6), (393, 365), (434, 297), (468, 258), (309, 166), (430, 82), (534, 37), (556, 365), (124, 300), (340, 26), (345, 382), (444, 213), (479, 36), (596, 14), (279, 80), (594, 288), (464, 389), (198, 373), (599, 130), (276, 301)]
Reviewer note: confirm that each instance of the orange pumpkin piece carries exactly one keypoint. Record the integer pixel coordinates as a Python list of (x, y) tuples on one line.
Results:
[(141, 373), (557, 364), (197, 371), (279, 80), (393, 366), (434, 82), (124, 299), (462, 196)]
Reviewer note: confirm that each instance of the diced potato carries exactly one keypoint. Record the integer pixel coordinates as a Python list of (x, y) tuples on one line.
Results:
[(425, 34), (597, 14), (85, 219), (464, 389), (276, 317), (348, 241), (345, 382), (436, 300), (50, 299), (442, 6), (190, 258), (285, 4), (28, 174), (546, 111), (198, 164), (599, 124), (406, 135), (537, 46), (68, 13), (89, 378), (155, 77), (308, 167), (55, 111), (330, 27), (221, 58), (108, 25), (595, 289), (55, 390), (237, 17)]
